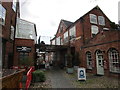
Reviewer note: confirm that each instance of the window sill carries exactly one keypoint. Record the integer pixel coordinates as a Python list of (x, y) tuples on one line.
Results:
[(102, 24), (93, 23)]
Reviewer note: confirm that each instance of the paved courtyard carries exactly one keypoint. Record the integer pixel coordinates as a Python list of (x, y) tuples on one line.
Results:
[(55, 79), (60, 79)]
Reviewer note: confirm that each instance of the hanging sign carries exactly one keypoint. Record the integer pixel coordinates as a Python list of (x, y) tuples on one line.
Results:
[(81, 74)]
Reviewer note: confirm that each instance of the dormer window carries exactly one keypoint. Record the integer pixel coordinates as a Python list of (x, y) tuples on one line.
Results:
[(101, 20), (94, 30), (93, 19), (2, 15)]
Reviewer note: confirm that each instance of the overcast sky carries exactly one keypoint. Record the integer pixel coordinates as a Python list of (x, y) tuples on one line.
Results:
[(46, 14)]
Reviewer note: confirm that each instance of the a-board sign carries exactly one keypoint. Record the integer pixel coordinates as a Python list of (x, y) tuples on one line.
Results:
[(81, 74)]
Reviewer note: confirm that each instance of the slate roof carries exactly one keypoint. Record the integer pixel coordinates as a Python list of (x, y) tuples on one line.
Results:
[(67, 23)]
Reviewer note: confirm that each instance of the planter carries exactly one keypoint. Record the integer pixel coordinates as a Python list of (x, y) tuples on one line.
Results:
[(38, 76), (76, 68), (70, 70), (12, 80)]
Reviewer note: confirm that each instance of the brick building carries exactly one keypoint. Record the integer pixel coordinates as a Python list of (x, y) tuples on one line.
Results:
[(25, 40), (8, 13), (94, 43)]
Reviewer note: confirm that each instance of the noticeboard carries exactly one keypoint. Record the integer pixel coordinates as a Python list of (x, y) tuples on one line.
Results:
[(81, 74)]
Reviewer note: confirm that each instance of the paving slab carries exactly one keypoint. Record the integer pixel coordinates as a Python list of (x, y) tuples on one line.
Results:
[(58, 79)]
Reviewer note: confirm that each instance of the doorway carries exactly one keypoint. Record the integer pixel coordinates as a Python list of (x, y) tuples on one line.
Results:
[(99, 63)]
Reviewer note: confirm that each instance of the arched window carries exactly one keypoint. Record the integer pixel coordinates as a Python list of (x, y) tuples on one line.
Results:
[(89, 60), (114, 63)]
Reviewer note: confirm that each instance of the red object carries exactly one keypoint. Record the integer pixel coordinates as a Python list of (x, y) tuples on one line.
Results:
[(29, 77), (20, 85)]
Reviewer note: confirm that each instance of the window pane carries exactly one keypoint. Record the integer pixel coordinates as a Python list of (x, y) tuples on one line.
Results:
[(66, 34), (2, 14), (66, 37), (93, 19), (101, 20), (114, 61), (72, 32), (89, 60), (94, 29)]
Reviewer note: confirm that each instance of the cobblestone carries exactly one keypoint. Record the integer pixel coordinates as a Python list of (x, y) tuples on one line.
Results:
[(93, 81), (60, 79)]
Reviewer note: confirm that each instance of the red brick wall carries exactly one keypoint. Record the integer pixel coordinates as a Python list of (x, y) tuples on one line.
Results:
[(84, 38), (6, 31), (101, 42), (87, 24), (105, 48), (27, 43), (83, 31), (105, 36), (10, 19)]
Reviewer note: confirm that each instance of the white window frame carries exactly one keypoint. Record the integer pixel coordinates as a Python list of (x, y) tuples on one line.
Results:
[(66, 37), (93, 18), (114, 60), (101, 20), (2, 14), (72, 33), (89, 60), (94, 29)]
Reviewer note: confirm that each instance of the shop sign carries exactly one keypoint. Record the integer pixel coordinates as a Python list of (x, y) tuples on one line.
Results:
[(23, 49)]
